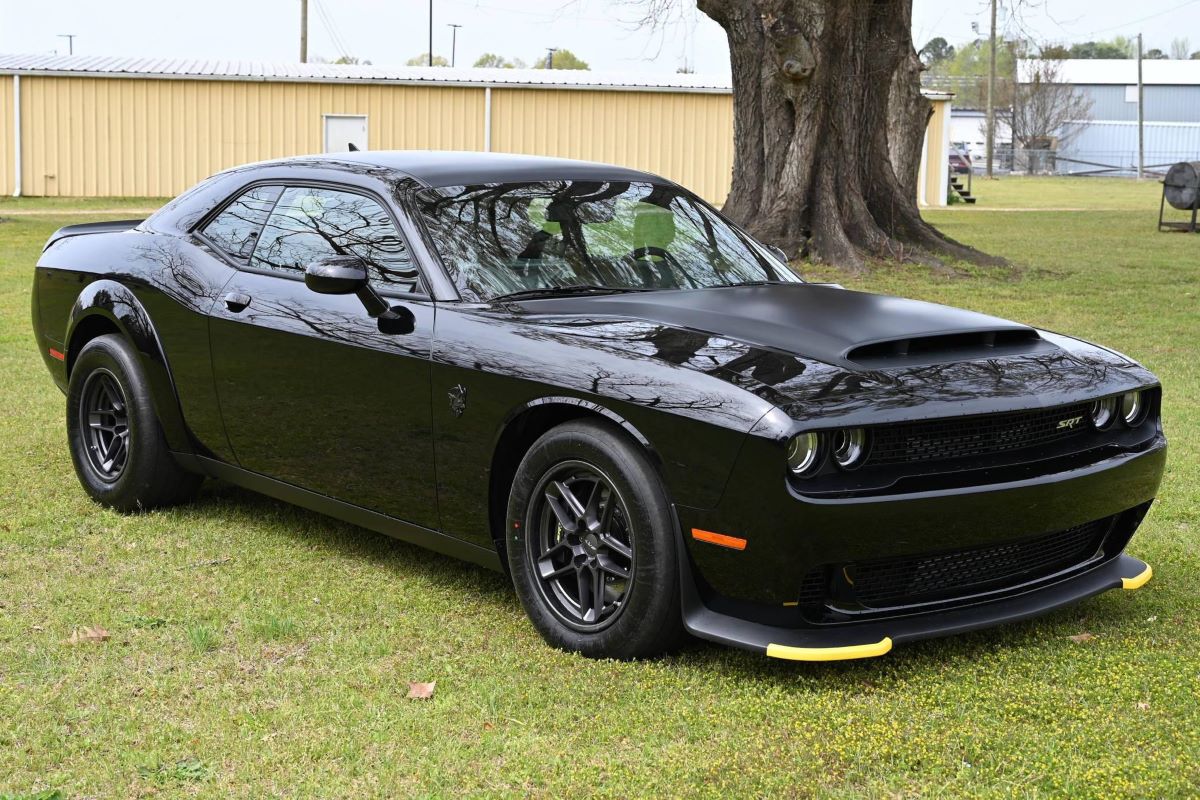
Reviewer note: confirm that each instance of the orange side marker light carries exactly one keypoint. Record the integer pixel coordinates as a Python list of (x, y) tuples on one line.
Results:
[(57, 355), (719, 539)]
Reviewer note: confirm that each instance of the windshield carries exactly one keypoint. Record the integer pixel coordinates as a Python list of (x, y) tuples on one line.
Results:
[(502, 239)]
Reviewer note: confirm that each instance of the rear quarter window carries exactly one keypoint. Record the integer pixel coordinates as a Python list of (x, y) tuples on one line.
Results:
[(236, 229)]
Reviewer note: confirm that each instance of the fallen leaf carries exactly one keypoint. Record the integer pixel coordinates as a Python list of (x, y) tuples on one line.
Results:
[(1143, 706), (487, 726), (1080, 638), (93, 634), (420, 691)]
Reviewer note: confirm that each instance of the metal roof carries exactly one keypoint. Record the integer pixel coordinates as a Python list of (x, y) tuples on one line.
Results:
[(1169, 72), (115, 66), (181, 68)]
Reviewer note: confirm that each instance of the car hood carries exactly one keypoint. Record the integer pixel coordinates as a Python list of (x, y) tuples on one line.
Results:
[(825, 353), (828, 324)]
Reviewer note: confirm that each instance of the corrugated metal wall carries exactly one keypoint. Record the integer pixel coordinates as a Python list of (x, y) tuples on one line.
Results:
[(85, 137), (685, 137), (937, 155), (7, 178), (94, 136), (1116, 144), (1163, 103)]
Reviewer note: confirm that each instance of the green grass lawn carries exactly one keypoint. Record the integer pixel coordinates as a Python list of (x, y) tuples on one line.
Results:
[(75, 205), (259, 650), (1108, 193)]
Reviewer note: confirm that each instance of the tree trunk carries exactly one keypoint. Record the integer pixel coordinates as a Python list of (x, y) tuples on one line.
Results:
[(908, 117), (828, 129)]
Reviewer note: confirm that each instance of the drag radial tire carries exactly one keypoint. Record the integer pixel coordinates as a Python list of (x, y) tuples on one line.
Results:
[(117, 443), (592, 544)]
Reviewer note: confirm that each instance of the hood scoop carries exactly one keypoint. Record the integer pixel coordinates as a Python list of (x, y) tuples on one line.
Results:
[(965, 346), (854, 330)]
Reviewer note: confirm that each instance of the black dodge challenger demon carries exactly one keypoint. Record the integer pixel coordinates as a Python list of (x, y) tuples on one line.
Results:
[(586, 375)]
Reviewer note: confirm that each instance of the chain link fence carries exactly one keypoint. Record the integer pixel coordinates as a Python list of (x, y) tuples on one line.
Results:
[(1008, 160)]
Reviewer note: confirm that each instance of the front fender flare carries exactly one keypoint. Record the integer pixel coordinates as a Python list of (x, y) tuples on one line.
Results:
[(587, 405), (119, 305)]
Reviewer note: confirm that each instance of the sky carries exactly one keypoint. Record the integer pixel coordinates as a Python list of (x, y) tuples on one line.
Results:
[(604, 33)]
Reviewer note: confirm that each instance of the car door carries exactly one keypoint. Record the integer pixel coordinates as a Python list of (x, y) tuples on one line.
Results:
[(312, 391)]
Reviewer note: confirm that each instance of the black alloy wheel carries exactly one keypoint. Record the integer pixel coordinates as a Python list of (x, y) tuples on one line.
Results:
[(117, 443), (580, 546), (105, 421), (593, 545)]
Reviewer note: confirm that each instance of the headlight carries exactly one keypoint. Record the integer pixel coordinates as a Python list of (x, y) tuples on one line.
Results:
[(803, 455), (849, 447), (1104, 412), (1133, 408)]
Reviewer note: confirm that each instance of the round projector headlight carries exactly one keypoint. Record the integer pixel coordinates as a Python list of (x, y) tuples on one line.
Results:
[(803, 453), (1104, 412), (849, 447), (1133, 408)]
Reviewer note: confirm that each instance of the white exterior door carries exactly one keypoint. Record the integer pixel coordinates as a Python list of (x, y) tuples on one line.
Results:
[(341, 131)]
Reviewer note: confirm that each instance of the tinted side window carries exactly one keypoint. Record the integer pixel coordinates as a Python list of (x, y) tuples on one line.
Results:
[(312, 223), (236, 229)]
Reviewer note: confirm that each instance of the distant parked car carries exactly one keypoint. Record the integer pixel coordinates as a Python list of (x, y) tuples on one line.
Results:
[(586, 376), (960, 164)]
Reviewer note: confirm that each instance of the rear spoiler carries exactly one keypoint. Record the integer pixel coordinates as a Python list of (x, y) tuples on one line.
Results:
[(116, 226)]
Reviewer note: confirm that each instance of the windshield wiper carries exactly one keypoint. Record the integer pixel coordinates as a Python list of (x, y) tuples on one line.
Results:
[(558, 291), (760, 283)]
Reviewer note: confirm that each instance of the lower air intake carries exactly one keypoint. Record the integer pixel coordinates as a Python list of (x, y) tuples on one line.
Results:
[(913, 579)]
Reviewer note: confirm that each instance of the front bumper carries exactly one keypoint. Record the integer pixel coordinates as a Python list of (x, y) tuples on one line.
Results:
[(869, 639), (749, 597), (787, 535)]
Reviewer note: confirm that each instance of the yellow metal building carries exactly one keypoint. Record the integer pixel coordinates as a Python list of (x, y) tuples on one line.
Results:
[(78, 126)]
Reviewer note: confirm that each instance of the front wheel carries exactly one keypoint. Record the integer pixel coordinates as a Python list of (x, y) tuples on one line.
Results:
[(592, 545), (117, 444)]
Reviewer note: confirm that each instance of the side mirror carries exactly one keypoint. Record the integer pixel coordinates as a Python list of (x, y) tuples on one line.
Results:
[(336, 275), (348, 275)]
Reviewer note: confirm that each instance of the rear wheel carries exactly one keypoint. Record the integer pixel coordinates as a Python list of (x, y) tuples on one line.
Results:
[(117, 444), (592, 546)]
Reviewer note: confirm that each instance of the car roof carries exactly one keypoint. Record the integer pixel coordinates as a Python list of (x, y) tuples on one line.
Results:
[(458, 168)]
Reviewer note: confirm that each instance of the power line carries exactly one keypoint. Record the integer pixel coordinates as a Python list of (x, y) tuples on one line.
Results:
[(331, 29), (337, 31), (1139, 20)]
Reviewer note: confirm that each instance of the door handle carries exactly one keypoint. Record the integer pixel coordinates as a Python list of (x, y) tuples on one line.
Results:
[(237, 301)]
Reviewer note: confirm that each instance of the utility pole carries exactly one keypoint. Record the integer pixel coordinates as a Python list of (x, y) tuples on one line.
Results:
[(991, 94), (70, 37), (303, 31), (550, 57), (1015, 49), (1141, 116), (453, 41), (431, 33)]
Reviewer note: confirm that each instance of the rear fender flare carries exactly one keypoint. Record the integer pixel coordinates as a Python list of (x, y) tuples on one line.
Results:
[(120, 306)]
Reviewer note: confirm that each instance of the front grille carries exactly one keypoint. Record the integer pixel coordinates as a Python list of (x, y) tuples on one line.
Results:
[(946, 439), (812, 588), (911, 579)]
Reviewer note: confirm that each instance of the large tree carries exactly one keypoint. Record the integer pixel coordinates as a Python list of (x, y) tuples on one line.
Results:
[(935, 50), (561, 58), (828, 124)]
